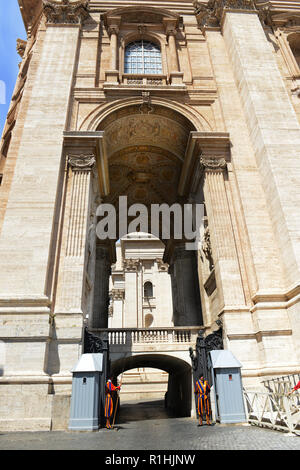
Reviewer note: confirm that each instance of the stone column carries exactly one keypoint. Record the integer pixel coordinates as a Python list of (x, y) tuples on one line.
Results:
[(70, 297), (133, 309), (74, 284), (116, 308), (227, 271), (185, 288), (112, 75)]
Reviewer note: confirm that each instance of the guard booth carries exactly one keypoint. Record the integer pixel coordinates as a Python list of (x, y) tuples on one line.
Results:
[(225, 372), (86, 397)]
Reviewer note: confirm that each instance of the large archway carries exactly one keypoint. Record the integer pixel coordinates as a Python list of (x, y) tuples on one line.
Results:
[(178, 399), (145, 149)]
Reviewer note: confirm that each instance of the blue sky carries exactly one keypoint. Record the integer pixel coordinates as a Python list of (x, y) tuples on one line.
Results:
[(11, 28)]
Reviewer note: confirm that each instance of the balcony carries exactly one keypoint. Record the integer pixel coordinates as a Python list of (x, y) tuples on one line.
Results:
[(128, 81), (139, 338)]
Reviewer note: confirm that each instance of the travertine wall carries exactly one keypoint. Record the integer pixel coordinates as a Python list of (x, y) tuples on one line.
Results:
[(228, 86)]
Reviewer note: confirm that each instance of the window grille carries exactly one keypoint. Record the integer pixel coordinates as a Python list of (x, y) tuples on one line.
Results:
[(143, 57)]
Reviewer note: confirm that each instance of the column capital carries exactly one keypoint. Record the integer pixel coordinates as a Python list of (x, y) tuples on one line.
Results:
[(81, 162), (113, 29), (131, 265), (210, 15), (117, 294), (212, 163), (113, 24), (65, 11)]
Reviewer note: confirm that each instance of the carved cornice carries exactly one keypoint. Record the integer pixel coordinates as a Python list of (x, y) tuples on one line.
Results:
[(210, 14), (81, 162), (65, 11)]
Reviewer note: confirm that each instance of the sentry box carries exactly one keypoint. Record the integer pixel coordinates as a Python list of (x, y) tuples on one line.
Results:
[(227, 386), (85, 400)]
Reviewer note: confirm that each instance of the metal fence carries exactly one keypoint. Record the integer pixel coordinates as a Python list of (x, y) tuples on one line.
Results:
[(282, 384), (274, 408), (275, 411)]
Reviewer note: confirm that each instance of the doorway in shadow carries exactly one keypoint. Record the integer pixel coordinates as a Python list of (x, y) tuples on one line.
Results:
[(175, 402)]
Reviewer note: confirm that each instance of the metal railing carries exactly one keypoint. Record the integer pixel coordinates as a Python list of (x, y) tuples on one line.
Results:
[(273, 410), (283, 384), (127, 336)]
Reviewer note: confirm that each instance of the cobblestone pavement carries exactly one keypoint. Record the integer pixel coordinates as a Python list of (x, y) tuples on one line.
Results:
[(146, 426)]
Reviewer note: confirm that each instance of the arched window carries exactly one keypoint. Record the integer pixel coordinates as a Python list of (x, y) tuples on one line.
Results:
[(143, 57), (148, 289)]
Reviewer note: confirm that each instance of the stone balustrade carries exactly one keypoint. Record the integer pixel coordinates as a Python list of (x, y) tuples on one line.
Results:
[(149, 79), (132, 336)]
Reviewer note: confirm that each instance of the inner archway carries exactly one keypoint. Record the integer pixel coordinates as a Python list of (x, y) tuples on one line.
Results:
[(177, 400), (146, 146)]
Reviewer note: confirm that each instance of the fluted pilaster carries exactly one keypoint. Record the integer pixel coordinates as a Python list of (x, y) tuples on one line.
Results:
[(228, 276)]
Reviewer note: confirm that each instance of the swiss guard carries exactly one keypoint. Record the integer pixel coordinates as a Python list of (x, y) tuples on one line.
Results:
[(202, 390), (110, 388)]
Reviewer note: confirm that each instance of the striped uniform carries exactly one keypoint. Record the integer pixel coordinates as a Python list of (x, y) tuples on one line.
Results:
[(202, 390), (109, 406)]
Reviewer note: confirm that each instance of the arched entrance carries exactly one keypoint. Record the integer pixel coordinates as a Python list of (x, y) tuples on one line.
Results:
[(143, 162), (147, 154), (178, 398)]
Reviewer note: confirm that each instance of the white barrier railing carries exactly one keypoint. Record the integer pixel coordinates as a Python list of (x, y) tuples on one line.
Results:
[(127, 336), (275, 411)]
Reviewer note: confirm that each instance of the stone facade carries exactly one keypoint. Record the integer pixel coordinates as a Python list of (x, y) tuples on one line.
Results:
[(219, 125)]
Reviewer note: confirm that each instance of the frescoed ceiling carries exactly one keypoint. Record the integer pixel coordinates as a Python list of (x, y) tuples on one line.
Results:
[(145, 152)]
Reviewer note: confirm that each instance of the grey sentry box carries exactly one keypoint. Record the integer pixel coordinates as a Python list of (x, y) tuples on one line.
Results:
[(85, 400), (227, 387)]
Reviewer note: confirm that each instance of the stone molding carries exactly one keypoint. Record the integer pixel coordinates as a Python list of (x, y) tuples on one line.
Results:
[(81, 162), (65, 12)]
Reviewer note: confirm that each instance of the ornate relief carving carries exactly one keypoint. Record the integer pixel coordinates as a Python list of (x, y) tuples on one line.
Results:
[(81, 162), (146, 107), (206, 247), (209, 15), (210, 163), (146, 129), (163, 267), (65, 12), (117, 294), (131, 264), (21, 46)]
